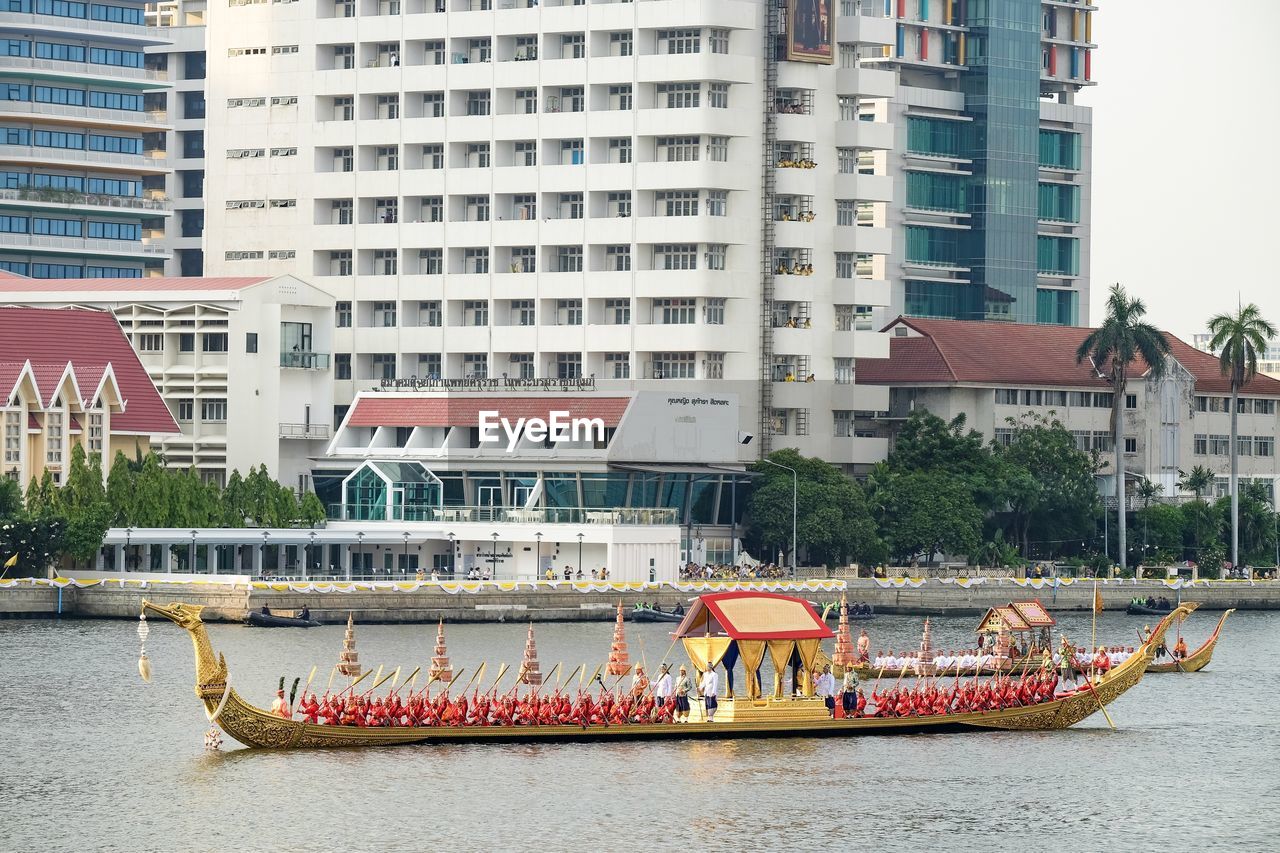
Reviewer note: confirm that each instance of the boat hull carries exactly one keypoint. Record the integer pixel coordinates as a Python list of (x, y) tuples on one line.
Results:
[(1195, 661), (655, 616), (264, 620), (1140, 610)]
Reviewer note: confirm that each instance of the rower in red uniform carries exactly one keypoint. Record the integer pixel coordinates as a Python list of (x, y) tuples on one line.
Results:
[(1102, 661)]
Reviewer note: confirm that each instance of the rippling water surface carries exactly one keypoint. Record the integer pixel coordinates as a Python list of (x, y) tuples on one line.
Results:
[(93, 759)]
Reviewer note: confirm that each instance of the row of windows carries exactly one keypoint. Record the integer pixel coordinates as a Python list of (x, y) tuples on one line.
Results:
[(523, 312), (72, 53), (46, 270), (1074, 399), (71, 140), (1246, 445), (213, 410), (520, 365), (1245, 405), (85, 11), (475, 260), (71, 183), (70, 97), (209, 342), (70, 227), (479, 155)]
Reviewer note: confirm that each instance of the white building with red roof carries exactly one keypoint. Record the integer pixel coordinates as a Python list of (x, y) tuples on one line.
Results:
[(241, 364), (990, 372), (70, 377)]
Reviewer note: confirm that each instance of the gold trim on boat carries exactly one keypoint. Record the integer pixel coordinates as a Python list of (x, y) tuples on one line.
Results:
[(1198, 659)]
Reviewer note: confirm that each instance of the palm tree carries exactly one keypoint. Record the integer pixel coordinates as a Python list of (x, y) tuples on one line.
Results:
[(1112, 347), (1238, 338), (1197, 481)]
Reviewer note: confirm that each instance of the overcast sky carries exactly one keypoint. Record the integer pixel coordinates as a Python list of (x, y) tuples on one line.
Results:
[(1186, 171)]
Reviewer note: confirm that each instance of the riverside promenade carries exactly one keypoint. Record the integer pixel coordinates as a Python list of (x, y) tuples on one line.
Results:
[(229, 598)]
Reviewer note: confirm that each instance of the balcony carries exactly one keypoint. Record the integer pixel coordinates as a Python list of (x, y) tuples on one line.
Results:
[(153, 119), (305, 431), (67, 68), (154, 35), (305, 360), (504, 515), (83, 246), (38, 196), (95, 159)]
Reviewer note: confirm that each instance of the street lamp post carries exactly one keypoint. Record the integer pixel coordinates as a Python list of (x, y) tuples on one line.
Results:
[(311, 555), (537, 565), (451, 553), (580, 552), (191, 561), (494, 557), (360, 550), (795, 493), (128, 543), (404, 571)]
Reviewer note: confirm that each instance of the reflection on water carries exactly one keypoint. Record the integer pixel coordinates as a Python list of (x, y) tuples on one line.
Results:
[(95, 759)]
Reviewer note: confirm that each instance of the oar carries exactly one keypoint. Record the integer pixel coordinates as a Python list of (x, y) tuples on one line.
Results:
[(501, 673), (412, 676), (380, 681), (538, 689), (367, 673), (479, 672), (566, 680), (329, 686), (448, 686), (1103, 708)]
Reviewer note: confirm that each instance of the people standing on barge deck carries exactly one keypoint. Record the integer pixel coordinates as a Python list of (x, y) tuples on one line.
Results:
[(682, 688), (849, 692), (709, 687), (662, 687), (826, 688)]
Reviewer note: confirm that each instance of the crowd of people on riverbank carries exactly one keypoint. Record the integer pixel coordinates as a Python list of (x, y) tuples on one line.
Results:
[(724, 571)]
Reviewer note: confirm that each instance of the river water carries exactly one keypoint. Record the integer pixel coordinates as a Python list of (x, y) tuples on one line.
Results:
[(94, 759)]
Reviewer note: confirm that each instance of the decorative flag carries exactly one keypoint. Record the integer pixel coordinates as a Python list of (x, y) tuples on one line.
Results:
[(11, 562), (1097, 599)]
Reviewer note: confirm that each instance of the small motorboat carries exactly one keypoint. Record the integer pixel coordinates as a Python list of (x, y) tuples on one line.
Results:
[(1135, 609), (654, 614), (857, 613), (258, 619)]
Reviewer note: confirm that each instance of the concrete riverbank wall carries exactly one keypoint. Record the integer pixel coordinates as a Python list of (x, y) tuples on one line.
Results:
[(427, 602)]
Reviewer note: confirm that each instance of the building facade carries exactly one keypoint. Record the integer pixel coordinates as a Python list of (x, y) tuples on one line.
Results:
[(182, 62), (71, 378), (644, 192), (243, 365), (81, 183), (990, 215), (993, 373), (1268, 360)]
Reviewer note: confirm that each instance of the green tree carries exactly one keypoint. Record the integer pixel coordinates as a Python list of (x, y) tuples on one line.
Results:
[(234, 511), (121, 491), (311, 510), (1238, 338), (34, 540), (1202, 523), (928, 443), (152, 495), (1049, 483), (1112, 349), (1164, 526), (11, 505), (928, 512), (834, 524), (1256, 523), (1197, 481), (83, 502)]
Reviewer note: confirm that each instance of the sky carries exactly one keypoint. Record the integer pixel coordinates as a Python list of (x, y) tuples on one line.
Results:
[(1186, 172)]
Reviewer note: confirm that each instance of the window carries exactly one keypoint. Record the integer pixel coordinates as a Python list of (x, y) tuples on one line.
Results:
[(572, 99), (213, 342), (571, 205), (523, 313), (343, 212), (433, 104), (53, 437), (387, 158), (675, 256), (388, 107), (673, 365), (569, 312), (718, 149), (342, 365), (844, 423), (618, 204), (1244, 445), (678, 95), (676, 203), (714, 311), (431, 261), (527, 101), (478, 103), (718, 96), (716, 255), (384, 314), (568, 365), (619, 150), (1131, 401), (620, 97), (522, 364), (524, 259), (213, 410), (617, 258), (845, 212), (526, 154), (573, 46), (617, 312), (342, 315), (571, 152), (673, 311), (386, 210), (477, 208), (1264, 445), (251, 342), (187, 342), (679, 41), (673, 149), (344, 109), (1130, 445), (475, 365), (718, 41), (150, 342), (186, 410), (1219, 445), (843, 371), (569, 259), (429, 365), (475, 261), (433, 156), (620, 44), (384, 261), (717, 202), (617, 365), (384, 365), (429, 313), (1201, 445), (1264, 407), (1006, 397), (475, 312), (95, 432), (344, 56), (847, 161), (477, 155)]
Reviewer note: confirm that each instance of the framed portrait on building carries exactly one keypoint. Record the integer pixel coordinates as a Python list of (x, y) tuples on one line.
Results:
[(809, 36)]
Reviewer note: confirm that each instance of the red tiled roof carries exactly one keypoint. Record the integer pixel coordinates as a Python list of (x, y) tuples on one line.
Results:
[(968, 351), (99, 285), (50, 338), (388, 410)]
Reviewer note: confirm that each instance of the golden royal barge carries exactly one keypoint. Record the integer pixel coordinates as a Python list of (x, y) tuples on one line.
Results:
[(721, 627)]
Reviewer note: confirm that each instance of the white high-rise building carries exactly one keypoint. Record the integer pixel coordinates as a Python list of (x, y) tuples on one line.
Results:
[(647, 191)]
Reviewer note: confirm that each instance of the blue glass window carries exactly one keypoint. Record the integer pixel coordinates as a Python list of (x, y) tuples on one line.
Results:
[(115, 144), (112, 272), (55, 271), (13, 224), (57, 227), (115, 230)]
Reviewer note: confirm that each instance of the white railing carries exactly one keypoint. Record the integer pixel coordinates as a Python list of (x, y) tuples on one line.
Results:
[(43, 21), (80, 155), (88, 68), (82, 244), (122, 116), (51, 196)]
